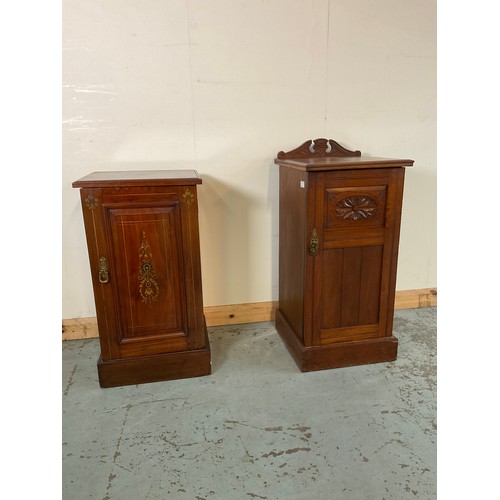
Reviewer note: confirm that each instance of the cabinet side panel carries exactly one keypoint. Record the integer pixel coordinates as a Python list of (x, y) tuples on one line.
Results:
[(398, 185), (292, 227), (97, 248), (189, 252)]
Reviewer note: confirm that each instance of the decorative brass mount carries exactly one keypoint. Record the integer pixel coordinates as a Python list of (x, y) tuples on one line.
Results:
[(314, 243), (103, 270)]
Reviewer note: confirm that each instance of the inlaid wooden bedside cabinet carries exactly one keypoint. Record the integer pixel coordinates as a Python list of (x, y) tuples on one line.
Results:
[(143, 245), (339, 222)]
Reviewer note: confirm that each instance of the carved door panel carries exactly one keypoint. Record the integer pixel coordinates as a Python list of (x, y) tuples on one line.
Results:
[(354, 218), (147, 241)]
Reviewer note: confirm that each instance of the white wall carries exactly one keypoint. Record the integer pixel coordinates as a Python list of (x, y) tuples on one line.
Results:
[(221, 86)]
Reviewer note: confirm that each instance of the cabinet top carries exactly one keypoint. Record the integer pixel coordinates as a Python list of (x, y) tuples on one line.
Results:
[(326, 154), (139, 178)]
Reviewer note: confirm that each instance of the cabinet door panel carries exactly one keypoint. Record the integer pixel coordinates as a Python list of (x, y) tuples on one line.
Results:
[(151, 271), (355, 216)]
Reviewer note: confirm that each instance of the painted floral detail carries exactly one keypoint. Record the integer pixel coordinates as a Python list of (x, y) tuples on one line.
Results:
[(355, 207), (188, 197), (148, 286), (91, 201)]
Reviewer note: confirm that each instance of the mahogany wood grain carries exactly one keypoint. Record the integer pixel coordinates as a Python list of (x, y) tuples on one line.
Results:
[(369, 289), (333, 260), (345, 287), (351, 286)]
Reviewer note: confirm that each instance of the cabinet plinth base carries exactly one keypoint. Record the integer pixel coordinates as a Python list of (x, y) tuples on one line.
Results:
[(156, 368), (335, 355)]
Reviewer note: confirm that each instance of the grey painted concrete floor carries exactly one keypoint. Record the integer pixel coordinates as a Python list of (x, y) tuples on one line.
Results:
[(257, 428)]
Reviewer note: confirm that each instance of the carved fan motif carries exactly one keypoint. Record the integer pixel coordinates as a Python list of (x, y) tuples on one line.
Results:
[(355, 207)]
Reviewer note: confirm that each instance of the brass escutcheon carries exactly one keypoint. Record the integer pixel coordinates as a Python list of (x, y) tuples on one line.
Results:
[(103, 270), (314, 243)]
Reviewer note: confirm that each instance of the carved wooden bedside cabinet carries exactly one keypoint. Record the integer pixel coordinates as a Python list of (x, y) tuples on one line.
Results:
[(339, 222), (143, 244)]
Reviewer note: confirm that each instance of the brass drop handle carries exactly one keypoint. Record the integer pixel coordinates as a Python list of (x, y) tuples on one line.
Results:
[(103, 270), (314, 243)]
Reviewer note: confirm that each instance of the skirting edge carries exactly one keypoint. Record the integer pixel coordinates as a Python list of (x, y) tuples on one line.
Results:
[(232, 314)]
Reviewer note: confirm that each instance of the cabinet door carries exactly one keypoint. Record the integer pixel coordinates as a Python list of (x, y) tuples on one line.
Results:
[(356, 221), (151, 301)]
